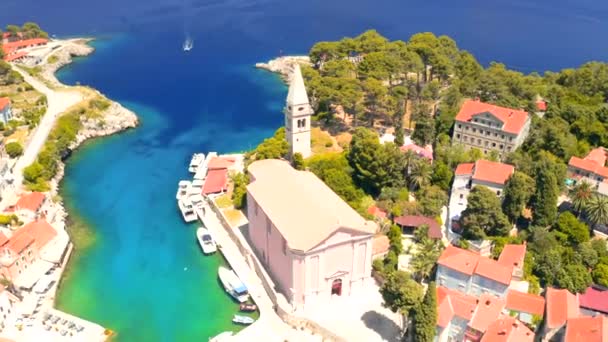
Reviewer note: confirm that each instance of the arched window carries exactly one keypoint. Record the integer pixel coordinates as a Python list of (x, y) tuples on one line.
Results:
[(303, 122), (336, 287)]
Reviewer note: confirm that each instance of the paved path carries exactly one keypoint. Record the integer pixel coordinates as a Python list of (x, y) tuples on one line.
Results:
[(269, 327), (58, 102)]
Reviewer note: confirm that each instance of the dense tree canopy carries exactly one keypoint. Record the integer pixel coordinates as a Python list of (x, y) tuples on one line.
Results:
[(518, 191), (483, 215)]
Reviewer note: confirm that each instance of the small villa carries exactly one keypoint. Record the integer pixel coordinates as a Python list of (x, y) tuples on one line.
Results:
[(312, 243), (6, 112), (11, 49), (591, 169), (28, 206), (493, 175)]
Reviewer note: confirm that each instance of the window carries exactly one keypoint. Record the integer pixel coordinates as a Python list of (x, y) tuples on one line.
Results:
[(495, 134), (300, 109), (510, 138), (508, 148), (268, 226), (17, 263), (303, 122), (466, 127), (501, 146), (459, 126), (493, 144), (461, 196), (498, 193), (457, 136), (474, 130), (503, 136), (284, 247)]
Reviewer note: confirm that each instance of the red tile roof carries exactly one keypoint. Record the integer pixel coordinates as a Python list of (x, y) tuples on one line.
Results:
[(464, 169), (416, 221), (525, 302), (594, 299), (216, 181), (541, 106), (598, 155), (594, 162), (377, 212), (3, 239), (425, 152), (508, 329), (561, 306), (4, 101), (491, 269), (493, 172), (380, 245), (488, 310), (31, 201), (19, 241), (587, 329), (14, 56), (39, 232), (452, 303), (458, 259), (19, 44), (513, 120), (513, 255), (217, 163)]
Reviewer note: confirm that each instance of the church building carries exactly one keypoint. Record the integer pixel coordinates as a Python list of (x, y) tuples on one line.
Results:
[(297, 116)]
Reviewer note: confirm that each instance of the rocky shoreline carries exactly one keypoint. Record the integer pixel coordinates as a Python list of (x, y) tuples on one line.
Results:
[(283, 65), (113, 120)]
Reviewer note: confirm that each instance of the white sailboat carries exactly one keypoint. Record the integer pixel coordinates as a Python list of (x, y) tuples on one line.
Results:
[(233, 285), (206, 241), (188, 44)]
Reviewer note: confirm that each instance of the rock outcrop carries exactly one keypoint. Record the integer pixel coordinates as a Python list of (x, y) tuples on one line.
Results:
[(283, 65)]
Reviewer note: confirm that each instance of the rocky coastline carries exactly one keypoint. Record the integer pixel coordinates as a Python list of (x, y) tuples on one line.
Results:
[(113, 120), (283, 65)]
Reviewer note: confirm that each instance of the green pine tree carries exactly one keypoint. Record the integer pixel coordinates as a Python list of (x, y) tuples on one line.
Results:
[(425, 318)]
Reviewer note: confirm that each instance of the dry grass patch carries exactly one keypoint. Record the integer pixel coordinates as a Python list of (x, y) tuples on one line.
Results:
[(323, 142), (20, 135), (223, 201), (234, 217)]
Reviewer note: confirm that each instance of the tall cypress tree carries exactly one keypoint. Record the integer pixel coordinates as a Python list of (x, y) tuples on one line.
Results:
[(544, 203), (425, 319)]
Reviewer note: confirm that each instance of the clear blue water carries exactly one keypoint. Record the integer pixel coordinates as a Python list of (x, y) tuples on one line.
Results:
[(143, 276)]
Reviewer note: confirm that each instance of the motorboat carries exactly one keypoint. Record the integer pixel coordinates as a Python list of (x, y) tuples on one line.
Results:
[(245, 320), (206, 241), (222, 336), (182, 189), (198, 185), (248, 307), (197, 200), (187, 210), (196, 161), (233, 285), (188, 44)]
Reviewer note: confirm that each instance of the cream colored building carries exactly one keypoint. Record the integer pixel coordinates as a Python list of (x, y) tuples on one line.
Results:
[(297, 116), (490, 128)]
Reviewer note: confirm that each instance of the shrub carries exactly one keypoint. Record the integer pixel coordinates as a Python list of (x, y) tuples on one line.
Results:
[(14, 149)]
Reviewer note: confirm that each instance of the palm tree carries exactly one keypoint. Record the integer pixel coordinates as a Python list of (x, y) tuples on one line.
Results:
[(409, 157), (421, 173), (597, 209), (580, 195)]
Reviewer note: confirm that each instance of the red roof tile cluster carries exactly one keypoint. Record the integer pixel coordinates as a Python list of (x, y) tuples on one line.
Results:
[(493, 172), (216, 181), (541, 105), (451, 303), (587, 329), (15, 56), (416, 221), (38, 232), (11, 47), (464, 169), (508, 329), (561, 306), (467, 262), (513, 120), (377, 212), (513, 255), (525, 302), (487, 311), (594, 299), (31, 201), (218, 163), (380, 244), (594, 162), (4, 101), (425, 152)]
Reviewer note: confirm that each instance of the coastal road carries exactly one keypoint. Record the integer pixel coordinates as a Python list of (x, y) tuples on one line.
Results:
[(58, 102)]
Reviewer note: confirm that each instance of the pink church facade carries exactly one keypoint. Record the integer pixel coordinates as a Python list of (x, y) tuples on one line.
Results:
[(310, 241)]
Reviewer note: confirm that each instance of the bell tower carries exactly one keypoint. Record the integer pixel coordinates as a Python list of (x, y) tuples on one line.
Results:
[(297, 116)]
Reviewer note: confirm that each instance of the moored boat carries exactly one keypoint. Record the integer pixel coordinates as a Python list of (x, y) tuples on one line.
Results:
[(205, 240), (182, 189), (197, 160), (233, 285), (248, 307), (187, 210), (245, 320)]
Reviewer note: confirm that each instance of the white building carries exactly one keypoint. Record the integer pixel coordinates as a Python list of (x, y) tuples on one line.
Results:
[(297, 116)]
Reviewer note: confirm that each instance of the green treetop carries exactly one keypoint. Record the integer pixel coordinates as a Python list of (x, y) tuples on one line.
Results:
[(483, 215)]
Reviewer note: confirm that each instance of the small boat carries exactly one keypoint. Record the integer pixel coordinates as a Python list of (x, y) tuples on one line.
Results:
[(222, 336), (182, 189), (197, 200), (196, 161), (248, 307), (206, 241), (187, 210), (245, 320), (233, 285), (188, 44), (198, 185)]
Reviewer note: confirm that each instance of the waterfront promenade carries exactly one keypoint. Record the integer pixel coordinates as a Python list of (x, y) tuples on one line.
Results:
[(269, 327)]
